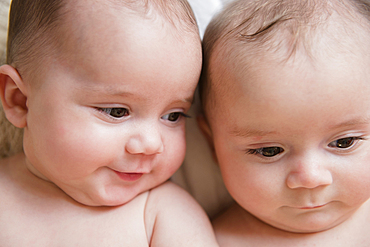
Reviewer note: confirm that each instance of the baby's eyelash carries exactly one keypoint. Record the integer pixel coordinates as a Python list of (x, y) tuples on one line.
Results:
[(174, 116), (115, 112), (358, 138), (185, 115), (267, 152), (252, 151)]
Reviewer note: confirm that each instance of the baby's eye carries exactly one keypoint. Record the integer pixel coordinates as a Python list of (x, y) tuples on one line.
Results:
[(267, 151), (344, 142), (174, 116), (116, 112)]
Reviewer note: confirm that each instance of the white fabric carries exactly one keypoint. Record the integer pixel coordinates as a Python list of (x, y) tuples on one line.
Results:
[(204, 10)]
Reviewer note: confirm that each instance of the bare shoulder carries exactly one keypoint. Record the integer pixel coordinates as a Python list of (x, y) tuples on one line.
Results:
[(168, 192), (169, 197), (174, 218)]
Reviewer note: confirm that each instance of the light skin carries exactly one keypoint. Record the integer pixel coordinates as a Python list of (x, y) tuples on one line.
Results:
[(105, 124), (292, 142)]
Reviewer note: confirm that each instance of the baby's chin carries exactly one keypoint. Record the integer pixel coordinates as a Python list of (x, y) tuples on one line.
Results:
[(105, 197), (306, 228), (102, 201)]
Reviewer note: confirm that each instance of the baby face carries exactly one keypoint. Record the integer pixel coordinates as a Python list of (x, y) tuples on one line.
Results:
[(293, 140), (107, 121)]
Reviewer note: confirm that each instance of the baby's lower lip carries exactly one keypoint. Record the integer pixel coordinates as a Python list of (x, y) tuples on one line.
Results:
[(130, 177)]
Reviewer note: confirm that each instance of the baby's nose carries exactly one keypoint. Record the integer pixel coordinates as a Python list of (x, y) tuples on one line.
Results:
[(309, 173), (147, 140)]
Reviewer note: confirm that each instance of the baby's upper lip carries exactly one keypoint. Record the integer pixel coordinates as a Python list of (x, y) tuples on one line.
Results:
[(133, 172), (312, 206), (138, 171)]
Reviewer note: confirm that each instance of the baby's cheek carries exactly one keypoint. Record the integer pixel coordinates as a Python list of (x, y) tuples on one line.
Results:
[(354, 186), (174, 152), (77, 151)]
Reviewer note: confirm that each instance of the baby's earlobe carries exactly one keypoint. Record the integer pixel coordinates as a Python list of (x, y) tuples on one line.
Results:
[(12, 96)]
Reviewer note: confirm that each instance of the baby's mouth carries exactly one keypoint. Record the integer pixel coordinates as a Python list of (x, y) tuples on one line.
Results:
[(129, 176), (313, 207)]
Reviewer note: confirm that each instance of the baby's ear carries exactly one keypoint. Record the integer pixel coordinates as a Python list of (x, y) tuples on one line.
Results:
[(207, 132), (13, 96)]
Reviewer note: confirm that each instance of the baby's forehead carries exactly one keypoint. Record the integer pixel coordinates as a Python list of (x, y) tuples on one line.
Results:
[(242, 48), (176, 12), (278, 30), (336, 56), (323, 86), (86, 18), (93, 24), (308, 46)]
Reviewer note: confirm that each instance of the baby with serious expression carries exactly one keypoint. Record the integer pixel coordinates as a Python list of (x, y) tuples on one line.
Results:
[(286, 97)]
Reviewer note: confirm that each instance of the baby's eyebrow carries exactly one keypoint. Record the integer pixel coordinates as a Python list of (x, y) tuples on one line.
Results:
[(359, 121), (106, 89), (246, 132), (120, 93)]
